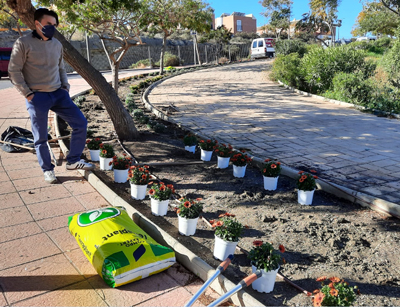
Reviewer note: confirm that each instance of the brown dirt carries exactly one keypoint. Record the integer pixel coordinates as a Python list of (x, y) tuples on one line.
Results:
[(332, 237)]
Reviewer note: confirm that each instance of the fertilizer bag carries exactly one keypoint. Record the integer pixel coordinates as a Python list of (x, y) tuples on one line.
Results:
[(119, 250)]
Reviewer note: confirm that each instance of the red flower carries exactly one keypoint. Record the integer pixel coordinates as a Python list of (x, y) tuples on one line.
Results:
[(187, 204), (144, 176), (146, 166), (222, 215), (315, 177), (110, 163), (301, 172), (212, 221), (334, 279), (267, 160), (304, 177), (199, 199), (152, 192), (178, 211), (104, 152), (97, 139), (141, 169), (273, 166), (162, 188), (313, 171), (331, 285), (257, 243), (322, 278), (88, 141), (208, 141), (101, 145), (279, 163), (202, 141), (281, 248), (221, 153), (219, 223)]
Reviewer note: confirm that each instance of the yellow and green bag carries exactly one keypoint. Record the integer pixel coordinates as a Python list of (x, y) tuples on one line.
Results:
[(119, 250)]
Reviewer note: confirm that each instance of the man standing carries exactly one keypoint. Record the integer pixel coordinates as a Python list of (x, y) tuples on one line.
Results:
[(37, 71)]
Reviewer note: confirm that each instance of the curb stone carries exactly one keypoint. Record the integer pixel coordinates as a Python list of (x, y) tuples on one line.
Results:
[(184, 256), (365, 200)]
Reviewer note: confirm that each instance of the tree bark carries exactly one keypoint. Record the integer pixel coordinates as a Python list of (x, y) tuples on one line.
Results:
[(122, 121), (115, 70)]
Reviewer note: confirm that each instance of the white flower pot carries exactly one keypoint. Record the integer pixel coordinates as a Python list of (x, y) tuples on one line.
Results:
[(239, 171), (305, 197), (138, 191), (191, 149), (222, 248), (206, 155), (266, 282), (105, 164), (270, 183), (223, 162), (187, 227), (159, 207), (120, 175), (94, 155)]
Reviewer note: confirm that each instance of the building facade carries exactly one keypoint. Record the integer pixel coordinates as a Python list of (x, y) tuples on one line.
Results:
[(237, 22)]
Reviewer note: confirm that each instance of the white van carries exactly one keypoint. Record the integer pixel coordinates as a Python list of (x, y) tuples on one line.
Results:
[(263, 47)]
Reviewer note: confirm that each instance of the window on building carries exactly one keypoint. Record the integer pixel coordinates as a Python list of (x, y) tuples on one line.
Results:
[(239, 25)]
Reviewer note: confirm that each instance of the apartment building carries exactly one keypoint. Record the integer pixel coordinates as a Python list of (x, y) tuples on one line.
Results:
[(237, 22)]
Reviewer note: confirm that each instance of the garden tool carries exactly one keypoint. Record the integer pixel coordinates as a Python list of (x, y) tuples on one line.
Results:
[(222, 267), (241, 285)]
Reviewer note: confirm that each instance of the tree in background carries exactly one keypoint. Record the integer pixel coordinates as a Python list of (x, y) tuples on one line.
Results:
[(392, 5), (122, 121), (116, 23), (9, 18), (278, 14), (376, 18), (167, 16)]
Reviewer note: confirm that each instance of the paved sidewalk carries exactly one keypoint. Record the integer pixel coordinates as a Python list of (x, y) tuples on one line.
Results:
[(40, 262), (238, 105)]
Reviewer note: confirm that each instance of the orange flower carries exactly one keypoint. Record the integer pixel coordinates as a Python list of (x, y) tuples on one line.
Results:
[(334, 279), (178, 211), (221, 153), (318, 299), (334, 292), (267, 160), (243, 150), (301, 180), (264, 170), (170, 186), (104, 152), (151, 182), (231, 215), (273, 166), (315, 177), (322, 278), (202, 141), (283, 260), (88, 141), (141, 169), (315, 291), (133, 167), (331, 285), (281, 248), (219, 223), (208, 141), (301, 172), (97, 139), (212, 221), (111, 163), (146, 166), (304, 177), (162, 188), (199, 199), (101, 145), (187, 204), (144, 176), (222, 215), (152, 191), (257, 243), (279, 163), (313, 171)]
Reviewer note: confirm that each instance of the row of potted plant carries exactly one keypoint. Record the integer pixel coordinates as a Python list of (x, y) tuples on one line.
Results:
[(271, 169)]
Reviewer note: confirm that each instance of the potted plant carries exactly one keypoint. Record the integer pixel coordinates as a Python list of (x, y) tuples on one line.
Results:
[(121, 167), (190, 142), (207, 147), (94, 148), (159, 197), (223, 155), (138, 177), (106, 156), (271, 171), (306, 186), (263, 257), (228, 230), (240, 161), (336, 292), (188, 215)]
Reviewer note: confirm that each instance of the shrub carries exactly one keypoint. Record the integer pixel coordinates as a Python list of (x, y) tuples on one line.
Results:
[(144, 119), (287, 69), (320, 65), (169, 60), (286, 47), (138, 113), (223, 60), (190, 139), (78, 100), (159, 128), (141, 64), (352, 87), (391, 62)]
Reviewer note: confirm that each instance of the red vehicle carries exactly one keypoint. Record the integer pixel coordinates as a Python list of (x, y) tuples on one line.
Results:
[(5, 54)]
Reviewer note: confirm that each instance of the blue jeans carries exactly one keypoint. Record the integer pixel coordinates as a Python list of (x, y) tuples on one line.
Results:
[(60, 103)]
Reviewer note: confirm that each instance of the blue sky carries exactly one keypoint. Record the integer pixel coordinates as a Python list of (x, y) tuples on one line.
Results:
[(348, 11)]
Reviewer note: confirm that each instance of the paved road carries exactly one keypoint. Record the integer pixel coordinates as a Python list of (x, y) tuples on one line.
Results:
[(239, 105), (5, 83)]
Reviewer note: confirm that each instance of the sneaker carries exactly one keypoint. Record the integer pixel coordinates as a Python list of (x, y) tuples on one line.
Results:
[(50, 177), (82, 164)]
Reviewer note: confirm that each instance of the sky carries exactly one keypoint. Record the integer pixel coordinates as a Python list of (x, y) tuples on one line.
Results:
[(348, 11)]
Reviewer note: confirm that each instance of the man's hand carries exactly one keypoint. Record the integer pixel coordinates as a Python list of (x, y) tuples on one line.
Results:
[(30, 97)]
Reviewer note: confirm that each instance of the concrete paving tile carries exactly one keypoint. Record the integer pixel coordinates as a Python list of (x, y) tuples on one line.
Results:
[(177, 297), (13, 165), (43, 194), (6, 187), (207, 297), (181, 275), (136, 292), (79, 294), (38, 277), (25, 250), (22, 173), (4, 176), (55, 208), (79, 187), (19, 231), (92, 200), (55, 222), (81, 263), (10, 200), (29, 184), (63, 239), (3, 301), (14, 216)]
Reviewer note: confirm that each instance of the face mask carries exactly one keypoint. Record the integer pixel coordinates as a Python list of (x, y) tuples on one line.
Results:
[(48, 30)]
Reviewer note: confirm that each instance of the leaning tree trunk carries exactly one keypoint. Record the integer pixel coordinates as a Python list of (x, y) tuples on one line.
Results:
[(115, 70), (164, 44), (122, 121)]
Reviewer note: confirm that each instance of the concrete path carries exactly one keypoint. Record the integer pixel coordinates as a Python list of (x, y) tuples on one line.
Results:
[(237, 104), (40, 262)]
